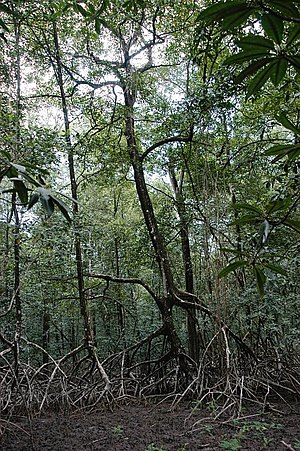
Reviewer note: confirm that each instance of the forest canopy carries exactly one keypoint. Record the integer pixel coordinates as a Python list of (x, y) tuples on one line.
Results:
[(149, 194)]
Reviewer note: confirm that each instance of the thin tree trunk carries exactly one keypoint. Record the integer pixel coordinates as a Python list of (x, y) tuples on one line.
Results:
[(88, 331), (187, 262), (46, 333), (15, 212), (120, 309), (17, 278), (84, 307)]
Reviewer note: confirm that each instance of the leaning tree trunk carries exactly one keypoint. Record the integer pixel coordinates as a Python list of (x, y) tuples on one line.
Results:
[(166, 301)]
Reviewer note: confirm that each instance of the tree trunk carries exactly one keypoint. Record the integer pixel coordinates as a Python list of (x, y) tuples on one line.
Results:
[(166, 301), (187, 262), (46, 334), (88, 331), (17, 296), (15, 212)]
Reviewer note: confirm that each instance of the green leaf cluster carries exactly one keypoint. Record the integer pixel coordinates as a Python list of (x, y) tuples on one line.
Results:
[(268, 56), (18, 175)]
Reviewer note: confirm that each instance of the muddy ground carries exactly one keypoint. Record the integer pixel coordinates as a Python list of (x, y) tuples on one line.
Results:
[(140, 426)]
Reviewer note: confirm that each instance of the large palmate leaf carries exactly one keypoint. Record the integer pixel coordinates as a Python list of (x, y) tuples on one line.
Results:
[(232, 12), (253, 40), (247, 55), (260, 79), (48, 201), (279, 70), (251, 69), (285, 7), (271, 51), (273, 27)]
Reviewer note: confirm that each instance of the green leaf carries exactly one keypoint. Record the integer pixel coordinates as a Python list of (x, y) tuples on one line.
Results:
[(12, 172), (21, 190), (251, 69), (235, 19), (232, 251), (30, 179), (293, 224), (63, 208), (91, 7), (219, 10), (293, 35), (292, 151), (19, 167), (232, 267), (248, 207), (260, 280), (286, 7), (278, 204), (275, 268), (264, 231), (33, 200), (245, 56), (22, 170), (279, 70), (6, 154), (295, 61), (282, 118), (254, 41), (273, 27), (104, 5), (247, 219), (4, 172), (3, 25), (98, 25), (81, 10), (259, 80), (5, 9), (46, 200)]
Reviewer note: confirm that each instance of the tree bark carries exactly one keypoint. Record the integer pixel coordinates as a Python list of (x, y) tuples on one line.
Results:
[(187, 262), (167, 300), (88, 331), (15, 212)]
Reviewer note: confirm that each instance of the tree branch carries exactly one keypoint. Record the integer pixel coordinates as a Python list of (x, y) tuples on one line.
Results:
[(172, 139), (129, 280)]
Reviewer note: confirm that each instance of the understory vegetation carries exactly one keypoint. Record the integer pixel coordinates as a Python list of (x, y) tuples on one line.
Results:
[(149, 221)]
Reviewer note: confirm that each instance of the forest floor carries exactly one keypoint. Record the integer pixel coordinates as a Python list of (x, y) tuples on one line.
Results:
[(143, 427)]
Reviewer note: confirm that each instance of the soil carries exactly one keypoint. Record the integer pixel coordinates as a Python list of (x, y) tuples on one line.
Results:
[(140, 427)]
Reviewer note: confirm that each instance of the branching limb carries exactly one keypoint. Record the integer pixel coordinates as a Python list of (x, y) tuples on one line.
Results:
[(188, 300), (129, 280), (172, 139)]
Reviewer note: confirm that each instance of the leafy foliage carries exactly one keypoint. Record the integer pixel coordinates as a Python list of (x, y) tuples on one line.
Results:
[(268, 56)]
